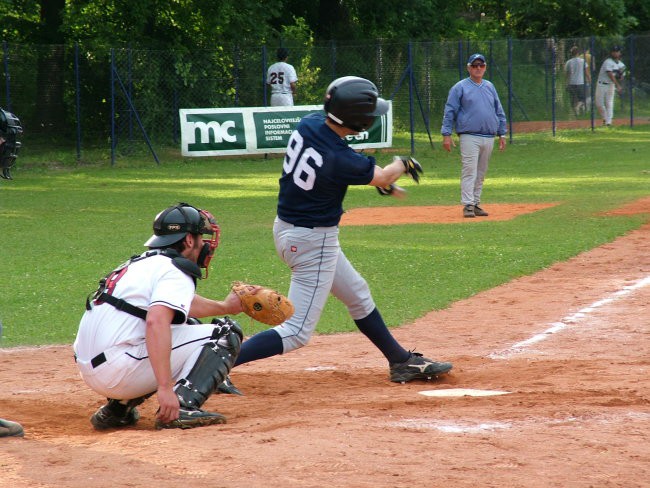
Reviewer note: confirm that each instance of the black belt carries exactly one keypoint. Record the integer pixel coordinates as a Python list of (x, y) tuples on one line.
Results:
[(97, 360), (603, 83)]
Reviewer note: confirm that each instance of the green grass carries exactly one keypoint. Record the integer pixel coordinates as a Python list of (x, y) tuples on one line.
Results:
[(64, 225)]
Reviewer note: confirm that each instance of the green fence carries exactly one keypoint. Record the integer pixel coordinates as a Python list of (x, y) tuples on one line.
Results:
[(77, 97)]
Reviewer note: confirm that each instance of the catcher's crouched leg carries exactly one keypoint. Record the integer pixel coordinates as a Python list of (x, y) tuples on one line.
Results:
[(117, 413), (215, 361)]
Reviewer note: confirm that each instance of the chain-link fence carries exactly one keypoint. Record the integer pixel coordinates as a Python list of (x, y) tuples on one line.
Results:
[(76, 97)]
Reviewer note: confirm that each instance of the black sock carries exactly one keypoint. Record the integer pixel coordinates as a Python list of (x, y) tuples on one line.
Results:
[(374, 328), (262, 345)]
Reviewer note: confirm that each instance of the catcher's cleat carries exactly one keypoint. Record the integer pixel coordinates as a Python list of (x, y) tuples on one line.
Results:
[(114, 415), (417, 367), (468, 211), (189, 418), (479, 212), (11, 429), (228, 388)]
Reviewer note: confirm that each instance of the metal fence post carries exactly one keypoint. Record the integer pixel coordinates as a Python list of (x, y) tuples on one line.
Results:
[(333, 58), (112, 107), (594, 80), (510, 86), (5, 49), (264, 90), (553, 84), (77, 98), (411, 121), (630, 82)]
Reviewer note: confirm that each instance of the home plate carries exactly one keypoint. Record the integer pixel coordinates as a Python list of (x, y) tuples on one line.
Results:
[(461, 392)]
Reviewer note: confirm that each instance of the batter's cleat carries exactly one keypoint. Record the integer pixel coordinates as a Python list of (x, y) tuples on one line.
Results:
[(468, 211), (417, 367), (11, 429), (114, 415), (228, 388), (189, 418), (479, 212)]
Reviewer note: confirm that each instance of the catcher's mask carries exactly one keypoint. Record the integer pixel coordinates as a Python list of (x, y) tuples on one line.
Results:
[(174, 223), (354, 103)]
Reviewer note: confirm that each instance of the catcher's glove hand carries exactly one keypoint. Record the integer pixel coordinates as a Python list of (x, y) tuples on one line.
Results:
[(264, 305), (412, 167)]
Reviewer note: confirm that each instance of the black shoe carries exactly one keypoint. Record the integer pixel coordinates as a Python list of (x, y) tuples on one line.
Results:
[(228, 388), (189, 418), (479, 212), (417, 367), (114, 415), (11, 429), (468, 211)]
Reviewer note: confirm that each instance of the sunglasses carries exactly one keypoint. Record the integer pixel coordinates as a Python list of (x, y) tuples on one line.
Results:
[(478, 65)]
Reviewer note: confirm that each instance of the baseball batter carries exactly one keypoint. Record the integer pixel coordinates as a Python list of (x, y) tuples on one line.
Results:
[(318, 168), (134, 340), (282, 78)]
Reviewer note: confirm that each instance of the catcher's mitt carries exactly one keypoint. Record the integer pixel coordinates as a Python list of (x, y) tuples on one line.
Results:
[(265, 305)]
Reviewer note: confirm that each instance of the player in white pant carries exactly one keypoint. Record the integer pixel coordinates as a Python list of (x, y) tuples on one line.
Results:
[(317, 170), (136, 338), (610, 77)]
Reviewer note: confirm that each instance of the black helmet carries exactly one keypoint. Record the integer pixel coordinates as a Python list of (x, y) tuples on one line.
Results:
[(175, 222), (354, 102)]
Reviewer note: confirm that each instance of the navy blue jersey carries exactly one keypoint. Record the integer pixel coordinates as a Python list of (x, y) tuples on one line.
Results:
[(317, 170)]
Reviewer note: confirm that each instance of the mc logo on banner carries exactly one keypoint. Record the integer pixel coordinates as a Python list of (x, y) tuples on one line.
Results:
[(258, 130)]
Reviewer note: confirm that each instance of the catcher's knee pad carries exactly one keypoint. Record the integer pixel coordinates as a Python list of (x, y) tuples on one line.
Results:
[(215, 361)]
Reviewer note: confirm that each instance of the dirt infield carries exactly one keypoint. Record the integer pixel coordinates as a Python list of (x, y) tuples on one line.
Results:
[(571, 345)]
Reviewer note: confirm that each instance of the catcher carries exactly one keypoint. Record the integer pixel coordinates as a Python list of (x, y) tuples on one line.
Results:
[(135, 340)]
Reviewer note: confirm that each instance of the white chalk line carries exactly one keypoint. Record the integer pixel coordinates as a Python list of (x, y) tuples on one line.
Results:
[(569, 320), (477, 427)]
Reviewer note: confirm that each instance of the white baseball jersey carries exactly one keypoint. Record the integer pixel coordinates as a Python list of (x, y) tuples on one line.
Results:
[(610, 65), (279, 77), (150, 281)]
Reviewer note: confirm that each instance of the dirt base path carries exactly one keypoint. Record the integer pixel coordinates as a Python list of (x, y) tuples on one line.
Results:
[(570, 345)]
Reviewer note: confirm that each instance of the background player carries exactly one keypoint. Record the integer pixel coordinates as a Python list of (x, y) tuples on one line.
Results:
[(610, 79), (282, 78), (133, 340), (317, 170)]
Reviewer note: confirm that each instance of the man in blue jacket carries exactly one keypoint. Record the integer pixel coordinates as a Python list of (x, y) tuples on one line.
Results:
[(474, 110)]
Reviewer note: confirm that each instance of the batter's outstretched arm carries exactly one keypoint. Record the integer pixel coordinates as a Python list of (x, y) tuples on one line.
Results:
[(387, 175)]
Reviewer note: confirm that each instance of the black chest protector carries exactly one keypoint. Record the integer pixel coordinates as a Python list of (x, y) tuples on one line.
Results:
[(103, 294)]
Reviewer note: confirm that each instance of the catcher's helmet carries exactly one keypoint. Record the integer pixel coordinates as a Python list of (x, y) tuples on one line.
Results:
[(175, 222), (354, 102)]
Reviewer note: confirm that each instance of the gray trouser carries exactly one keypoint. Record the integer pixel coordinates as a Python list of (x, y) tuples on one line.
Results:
[(318, 268), (475, 152)]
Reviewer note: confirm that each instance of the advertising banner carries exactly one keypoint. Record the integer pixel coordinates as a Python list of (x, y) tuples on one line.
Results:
[(260, 130)]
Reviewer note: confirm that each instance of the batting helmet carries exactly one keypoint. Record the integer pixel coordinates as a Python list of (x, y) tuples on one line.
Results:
[(354, 102)]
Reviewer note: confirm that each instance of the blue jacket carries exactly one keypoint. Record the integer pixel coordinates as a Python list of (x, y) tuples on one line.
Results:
[(473, 109)]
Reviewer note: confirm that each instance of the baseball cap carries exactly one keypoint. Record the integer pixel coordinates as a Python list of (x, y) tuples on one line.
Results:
[(474, 57), (617, 48)]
